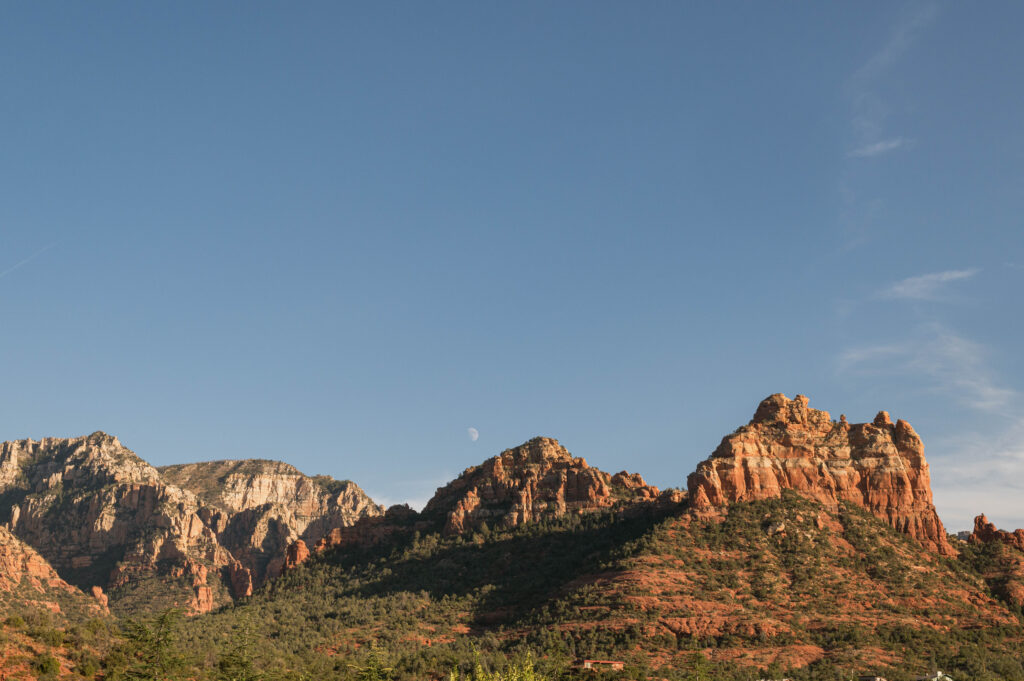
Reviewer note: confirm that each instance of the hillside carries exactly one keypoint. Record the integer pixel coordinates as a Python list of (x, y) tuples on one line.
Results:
[(782, 582), (806, 544), (39, 612), (804, 547)]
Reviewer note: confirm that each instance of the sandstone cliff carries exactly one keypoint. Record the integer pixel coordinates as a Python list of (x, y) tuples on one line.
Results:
[(258, 508), (535, 480), (879, 466), (104, 518)]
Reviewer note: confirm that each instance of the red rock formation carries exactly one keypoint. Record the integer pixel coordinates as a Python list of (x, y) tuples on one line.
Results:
[(240, 579), (86, 502), (634, 483), (257, 508), (28, 580), (101, 598), (19, 562), (202, 602), (879, 466), (985, 532), (297, 554), (537, 479)]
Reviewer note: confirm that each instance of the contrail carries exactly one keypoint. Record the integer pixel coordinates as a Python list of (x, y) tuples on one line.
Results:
[(26, 260)]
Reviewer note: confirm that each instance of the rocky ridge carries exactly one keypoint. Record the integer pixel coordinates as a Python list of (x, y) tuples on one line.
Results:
[(537, 479), (787, 580), (106, 519), (265, 506), (102, 516), (20, 562), (879, 466)]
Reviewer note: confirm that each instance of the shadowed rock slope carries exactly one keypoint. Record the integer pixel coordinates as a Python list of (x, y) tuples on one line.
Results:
[(28, 581), (37, 608)]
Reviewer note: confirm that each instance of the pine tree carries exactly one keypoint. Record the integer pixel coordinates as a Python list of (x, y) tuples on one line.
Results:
[(152, 647)]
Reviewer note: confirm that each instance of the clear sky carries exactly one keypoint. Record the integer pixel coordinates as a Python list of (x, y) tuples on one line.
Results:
[(342, 235)]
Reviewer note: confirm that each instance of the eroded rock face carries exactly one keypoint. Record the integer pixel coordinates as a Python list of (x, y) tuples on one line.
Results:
[(103, 517), (263, 507), (539, 479), (985, 532), (398, 520), (99, 514), (297, 554), (787, 445), (29, 581), (19, 561), (534, 480)]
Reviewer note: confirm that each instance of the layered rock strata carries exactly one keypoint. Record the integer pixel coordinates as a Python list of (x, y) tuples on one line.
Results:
[(259, 508), (535, 480), (879, 466), (27, 580), (101, 516), (104, 518), (20, 563)]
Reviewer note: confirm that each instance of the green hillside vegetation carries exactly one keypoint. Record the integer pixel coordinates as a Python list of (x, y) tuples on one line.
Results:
[(774, 588), (862, 595), (428, 588)]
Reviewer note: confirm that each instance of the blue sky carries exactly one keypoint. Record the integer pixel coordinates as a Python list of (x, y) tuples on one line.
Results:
[(342, 235)]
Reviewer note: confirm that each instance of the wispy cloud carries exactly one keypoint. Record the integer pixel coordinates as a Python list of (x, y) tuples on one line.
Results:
[(981, 472), (925, 286), (900, 39), (857, 358), (25, 261), (868, 136), (879, 148), (946, 361), (975, 469), (870, 110)]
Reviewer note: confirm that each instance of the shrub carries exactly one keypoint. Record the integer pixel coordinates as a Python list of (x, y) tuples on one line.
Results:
[(46, 664), (15, 622)]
